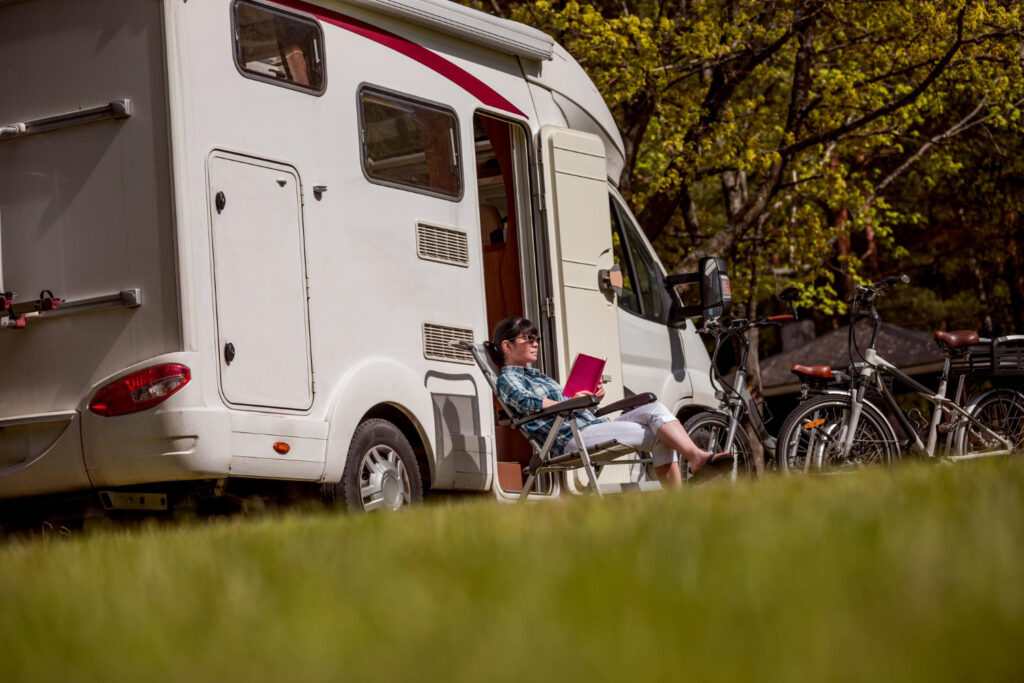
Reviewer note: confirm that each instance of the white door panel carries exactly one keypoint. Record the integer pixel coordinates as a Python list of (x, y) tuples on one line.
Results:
[(586, 318), (260, 282), (577, 209)]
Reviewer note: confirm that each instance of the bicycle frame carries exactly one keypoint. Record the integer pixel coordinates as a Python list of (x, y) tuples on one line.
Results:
[(873, 369), (735, 402)]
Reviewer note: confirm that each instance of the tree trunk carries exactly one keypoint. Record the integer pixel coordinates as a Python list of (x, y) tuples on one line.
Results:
[(756, 385), (1014, 269), (986, 312)]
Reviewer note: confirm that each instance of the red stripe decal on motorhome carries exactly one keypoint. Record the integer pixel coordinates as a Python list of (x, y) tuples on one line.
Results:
[(431, 60)]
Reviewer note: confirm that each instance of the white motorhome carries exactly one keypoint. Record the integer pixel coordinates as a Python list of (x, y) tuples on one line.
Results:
[(238, 236)]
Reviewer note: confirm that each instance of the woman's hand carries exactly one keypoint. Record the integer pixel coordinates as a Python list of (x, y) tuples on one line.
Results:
[(599, 393)]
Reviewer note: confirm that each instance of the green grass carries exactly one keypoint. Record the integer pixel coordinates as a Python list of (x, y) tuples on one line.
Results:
[(915, 573)]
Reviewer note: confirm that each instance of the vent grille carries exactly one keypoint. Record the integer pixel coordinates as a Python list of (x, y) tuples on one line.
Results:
[(436, 344), (443, 245)]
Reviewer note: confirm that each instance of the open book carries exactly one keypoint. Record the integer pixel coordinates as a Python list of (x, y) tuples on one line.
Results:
[(584, 376)]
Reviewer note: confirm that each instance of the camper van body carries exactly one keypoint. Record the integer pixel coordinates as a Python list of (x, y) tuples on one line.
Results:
[(226, 222)]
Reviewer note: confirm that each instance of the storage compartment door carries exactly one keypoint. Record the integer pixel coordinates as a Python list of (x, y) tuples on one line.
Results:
[(260, 283), (586, 317)]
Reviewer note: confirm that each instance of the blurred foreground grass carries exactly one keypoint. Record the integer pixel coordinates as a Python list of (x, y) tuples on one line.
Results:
[(915, 573)]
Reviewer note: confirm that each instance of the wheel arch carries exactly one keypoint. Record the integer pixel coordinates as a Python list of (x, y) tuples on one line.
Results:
[(412, 430), (381, 389), (689, 410)]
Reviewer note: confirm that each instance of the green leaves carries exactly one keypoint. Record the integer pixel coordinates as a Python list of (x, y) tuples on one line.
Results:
[(800, 134)]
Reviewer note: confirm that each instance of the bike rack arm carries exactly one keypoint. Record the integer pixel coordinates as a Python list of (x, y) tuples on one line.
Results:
[(116, 109), (126, 298)]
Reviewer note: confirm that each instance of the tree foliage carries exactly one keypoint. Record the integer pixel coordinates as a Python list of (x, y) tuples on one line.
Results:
[(815, 141)]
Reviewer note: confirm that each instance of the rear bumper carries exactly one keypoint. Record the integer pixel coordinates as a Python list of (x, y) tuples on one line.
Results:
[(58, 453), (154, 446), (165, 444), (49, 461)]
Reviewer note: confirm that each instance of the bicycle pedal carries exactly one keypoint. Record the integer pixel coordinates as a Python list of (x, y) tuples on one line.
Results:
[(945, 427)]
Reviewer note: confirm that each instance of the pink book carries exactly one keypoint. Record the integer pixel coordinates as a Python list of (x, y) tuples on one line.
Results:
[(584, 376)]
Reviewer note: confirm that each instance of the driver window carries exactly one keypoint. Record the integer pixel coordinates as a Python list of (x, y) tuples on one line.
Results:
[(647, 276), (628, 299), (641, 277)]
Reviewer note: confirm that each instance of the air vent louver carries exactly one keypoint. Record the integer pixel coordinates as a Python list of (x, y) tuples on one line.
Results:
[(437, 346), (443, 245)]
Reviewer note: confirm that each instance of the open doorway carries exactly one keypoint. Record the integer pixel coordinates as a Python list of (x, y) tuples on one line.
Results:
[(499, 217), (510, 275)]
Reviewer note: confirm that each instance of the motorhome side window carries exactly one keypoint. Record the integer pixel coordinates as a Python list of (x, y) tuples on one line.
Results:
[(281, 48), (410, 144)]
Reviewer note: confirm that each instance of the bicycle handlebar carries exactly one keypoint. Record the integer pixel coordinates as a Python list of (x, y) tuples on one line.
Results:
[(737, 325), (879, 286)]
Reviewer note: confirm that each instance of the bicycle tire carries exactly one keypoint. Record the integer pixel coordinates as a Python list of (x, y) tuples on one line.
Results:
[(810, 437), (709, 431), (1002, 410)]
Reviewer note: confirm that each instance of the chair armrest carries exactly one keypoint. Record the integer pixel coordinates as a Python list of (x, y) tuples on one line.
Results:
[(627, 403), (565, 408)]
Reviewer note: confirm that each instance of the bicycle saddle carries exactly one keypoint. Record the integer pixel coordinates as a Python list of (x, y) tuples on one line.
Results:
[(957, 338), (821, 371)]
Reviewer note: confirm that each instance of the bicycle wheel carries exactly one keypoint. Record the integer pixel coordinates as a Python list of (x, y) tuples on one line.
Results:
[(710, 430), (811, 437), (1002, 411)]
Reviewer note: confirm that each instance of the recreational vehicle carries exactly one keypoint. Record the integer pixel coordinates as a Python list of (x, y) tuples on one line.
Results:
[(239, 236)]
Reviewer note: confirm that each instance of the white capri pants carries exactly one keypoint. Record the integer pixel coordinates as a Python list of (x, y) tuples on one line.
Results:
[(637, 429)]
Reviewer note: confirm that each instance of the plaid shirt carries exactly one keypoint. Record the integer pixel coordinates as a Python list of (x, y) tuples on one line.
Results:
[(521, 390)]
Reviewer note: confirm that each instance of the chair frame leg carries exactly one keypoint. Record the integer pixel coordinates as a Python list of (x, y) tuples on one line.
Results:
[(525, 493), (543, 455), (585, 457)]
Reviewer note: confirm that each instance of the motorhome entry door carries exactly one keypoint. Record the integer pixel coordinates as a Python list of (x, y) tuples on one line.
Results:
[(260, 282), (576, 201)]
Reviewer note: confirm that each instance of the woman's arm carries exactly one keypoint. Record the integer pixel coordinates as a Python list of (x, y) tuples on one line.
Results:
[(515, 394)]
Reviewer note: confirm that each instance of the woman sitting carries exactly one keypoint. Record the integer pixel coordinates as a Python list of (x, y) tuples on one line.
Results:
[(650, 427)]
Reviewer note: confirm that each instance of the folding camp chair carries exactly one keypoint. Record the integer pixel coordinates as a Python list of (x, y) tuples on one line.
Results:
[(592, 459)]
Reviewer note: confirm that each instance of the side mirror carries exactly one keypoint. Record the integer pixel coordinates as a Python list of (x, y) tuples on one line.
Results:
[(790, 295), (715, 289), (715, 292)]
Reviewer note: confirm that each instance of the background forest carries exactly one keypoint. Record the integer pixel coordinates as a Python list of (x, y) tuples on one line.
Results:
[(820, 143)]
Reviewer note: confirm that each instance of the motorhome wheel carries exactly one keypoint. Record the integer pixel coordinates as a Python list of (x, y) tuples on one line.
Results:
[(381, 471)]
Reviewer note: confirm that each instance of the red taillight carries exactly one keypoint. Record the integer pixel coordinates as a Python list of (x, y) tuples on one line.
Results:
[(140, 390)]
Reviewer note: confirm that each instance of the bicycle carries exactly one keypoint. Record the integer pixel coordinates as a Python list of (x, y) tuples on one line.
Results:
[(852, 429), (719, 430)]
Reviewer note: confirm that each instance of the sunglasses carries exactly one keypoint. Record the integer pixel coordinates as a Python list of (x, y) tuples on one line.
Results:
[(528, 338)]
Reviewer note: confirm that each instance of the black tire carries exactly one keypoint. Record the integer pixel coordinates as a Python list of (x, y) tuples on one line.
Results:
[(1002, 411), (380, 471), (811, 436), (710, 430)]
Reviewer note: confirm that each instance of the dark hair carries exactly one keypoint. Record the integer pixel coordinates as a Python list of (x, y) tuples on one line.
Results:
[(507, 329)]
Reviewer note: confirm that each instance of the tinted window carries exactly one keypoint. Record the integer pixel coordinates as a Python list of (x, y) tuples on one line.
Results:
[(639, 269), (648, 276), (410, 143), (628, 299), (278, 47)]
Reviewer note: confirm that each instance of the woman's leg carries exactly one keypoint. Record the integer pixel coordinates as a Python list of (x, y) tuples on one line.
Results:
[(635, 434), (670, 476), (671, 433)]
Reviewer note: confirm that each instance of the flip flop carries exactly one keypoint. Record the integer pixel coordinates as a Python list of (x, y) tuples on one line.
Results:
[(714, 461)]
